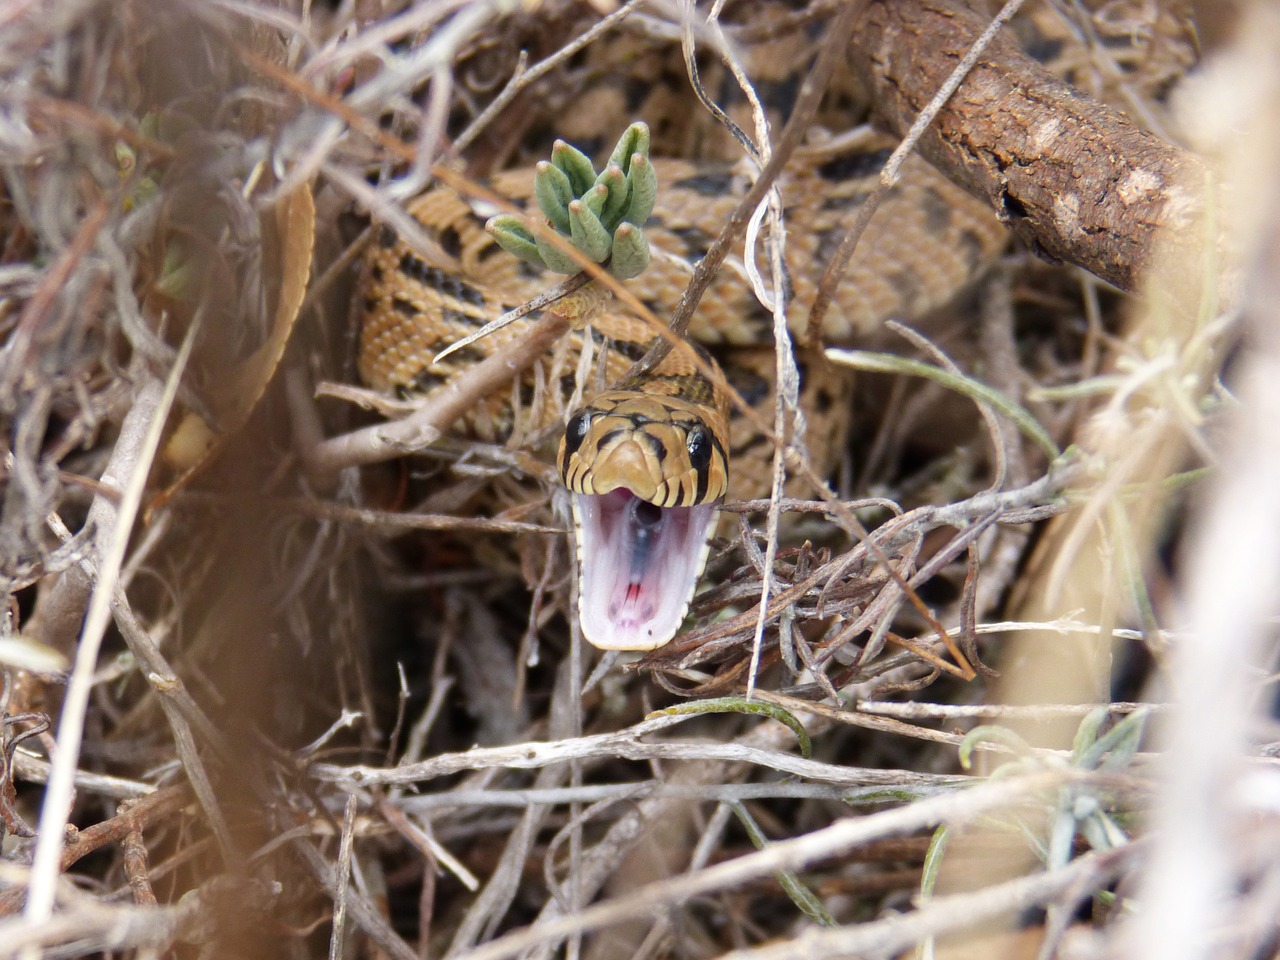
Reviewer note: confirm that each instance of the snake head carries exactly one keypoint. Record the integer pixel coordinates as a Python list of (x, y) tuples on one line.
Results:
[(646, 474)]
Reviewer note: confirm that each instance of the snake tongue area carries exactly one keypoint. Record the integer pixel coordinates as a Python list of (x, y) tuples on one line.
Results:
[(640, 564)]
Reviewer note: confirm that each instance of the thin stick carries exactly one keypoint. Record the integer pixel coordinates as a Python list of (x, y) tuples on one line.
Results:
[(135, 868), (152, 409), (544, 299), (386, 441), (344, 879)]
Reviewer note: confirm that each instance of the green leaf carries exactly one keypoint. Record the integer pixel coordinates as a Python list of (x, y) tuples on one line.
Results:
[(1114, 750), (595, 198), (929, 878), (575, 164), (1062, 831), (554, 259), (634, 140), (552, 189), (1087, 733), (615, 204), (792, 885), (644, 190), (990, 733), (630, 252), (514, 237), (589, 234), (933, 861), (742, 705)]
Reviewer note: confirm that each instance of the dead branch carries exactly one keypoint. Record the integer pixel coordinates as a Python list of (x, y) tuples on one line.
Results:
[(1075, 179)]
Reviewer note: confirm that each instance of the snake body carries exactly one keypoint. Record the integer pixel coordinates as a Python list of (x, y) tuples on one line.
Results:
[(648, 460)]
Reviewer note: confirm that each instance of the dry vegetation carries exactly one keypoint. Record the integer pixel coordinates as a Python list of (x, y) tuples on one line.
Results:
[(268, 694)]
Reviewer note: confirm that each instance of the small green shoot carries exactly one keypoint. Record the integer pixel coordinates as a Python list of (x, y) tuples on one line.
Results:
[(601, 214)]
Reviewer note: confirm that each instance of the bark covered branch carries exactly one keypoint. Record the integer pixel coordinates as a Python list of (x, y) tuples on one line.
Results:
[(1074, 178)]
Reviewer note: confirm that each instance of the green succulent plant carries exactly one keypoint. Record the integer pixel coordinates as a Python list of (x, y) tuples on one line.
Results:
[(601, 214)]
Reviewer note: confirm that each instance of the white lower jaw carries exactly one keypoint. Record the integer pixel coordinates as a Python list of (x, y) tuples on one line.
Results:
[(637, 576)]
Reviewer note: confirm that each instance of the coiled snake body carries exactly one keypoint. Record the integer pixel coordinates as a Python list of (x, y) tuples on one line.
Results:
[(648, 461)]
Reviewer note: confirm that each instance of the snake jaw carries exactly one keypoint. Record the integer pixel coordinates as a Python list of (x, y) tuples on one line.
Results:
[(639, 564), (646, 472)]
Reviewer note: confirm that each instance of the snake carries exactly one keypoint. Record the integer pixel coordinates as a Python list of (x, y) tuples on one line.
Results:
[(647, 460)]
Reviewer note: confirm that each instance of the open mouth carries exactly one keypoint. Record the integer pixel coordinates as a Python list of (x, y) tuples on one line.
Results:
[(639, 566)]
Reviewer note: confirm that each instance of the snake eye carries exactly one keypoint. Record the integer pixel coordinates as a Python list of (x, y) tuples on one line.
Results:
[(699, 446), (576, 431)]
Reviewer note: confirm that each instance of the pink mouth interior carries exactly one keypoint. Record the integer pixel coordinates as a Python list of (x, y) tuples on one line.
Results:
[(640, 565)]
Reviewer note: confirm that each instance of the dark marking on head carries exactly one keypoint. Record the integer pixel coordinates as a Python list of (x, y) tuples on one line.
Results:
[(451, 242), (376, 273), (822, 400), (405, 307), (387, 237), (656, 446), (855, 166), (610, 437), (937, 211), (704, 481)]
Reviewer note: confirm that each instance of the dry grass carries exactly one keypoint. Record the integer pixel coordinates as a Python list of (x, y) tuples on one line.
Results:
[(279, 700)]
